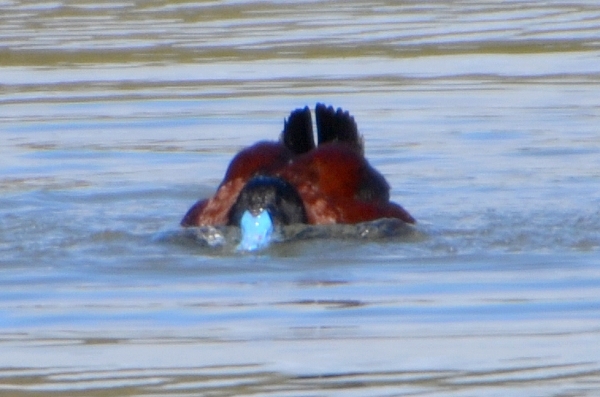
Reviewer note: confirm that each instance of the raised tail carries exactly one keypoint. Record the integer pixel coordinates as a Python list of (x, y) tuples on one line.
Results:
[(337, 126), (297, 132)]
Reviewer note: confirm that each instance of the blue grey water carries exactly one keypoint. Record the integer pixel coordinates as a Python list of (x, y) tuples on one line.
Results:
[(483, 116)]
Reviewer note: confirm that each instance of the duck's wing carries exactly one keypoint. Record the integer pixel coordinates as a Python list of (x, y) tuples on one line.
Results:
[(337, 126), (297, 132), (191, 218)]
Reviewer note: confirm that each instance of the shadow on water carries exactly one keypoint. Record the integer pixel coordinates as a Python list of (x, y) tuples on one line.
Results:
[(291, 239)]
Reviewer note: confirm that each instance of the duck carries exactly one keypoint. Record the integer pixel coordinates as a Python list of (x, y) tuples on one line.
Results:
[(271, 184)]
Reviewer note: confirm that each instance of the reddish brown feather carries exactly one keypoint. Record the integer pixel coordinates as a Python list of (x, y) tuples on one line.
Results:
[(327, 179), (334, 180)]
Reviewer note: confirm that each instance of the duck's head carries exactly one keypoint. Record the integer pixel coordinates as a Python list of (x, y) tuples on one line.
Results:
[(263, 204)]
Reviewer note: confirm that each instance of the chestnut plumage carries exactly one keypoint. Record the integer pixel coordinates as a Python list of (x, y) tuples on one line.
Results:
[(298, 181)]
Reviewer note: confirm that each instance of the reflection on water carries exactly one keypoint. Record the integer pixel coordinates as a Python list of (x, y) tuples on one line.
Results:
[(251, 380), (115, 117), (226, 239)]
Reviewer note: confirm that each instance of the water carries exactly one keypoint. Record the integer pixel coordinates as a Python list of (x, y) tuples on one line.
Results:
[(116, 117)]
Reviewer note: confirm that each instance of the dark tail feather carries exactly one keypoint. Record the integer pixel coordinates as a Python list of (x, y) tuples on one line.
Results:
[(337, 126), (297, 132)]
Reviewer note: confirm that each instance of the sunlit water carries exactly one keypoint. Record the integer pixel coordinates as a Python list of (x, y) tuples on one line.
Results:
[(483, 116)]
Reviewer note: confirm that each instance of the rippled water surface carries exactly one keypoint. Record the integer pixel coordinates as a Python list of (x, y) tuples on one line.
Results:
[(483, 116)]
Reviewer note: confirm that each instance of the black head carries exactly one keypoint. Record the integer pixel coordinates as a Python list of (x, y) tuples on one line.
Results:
[(276, 196)]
